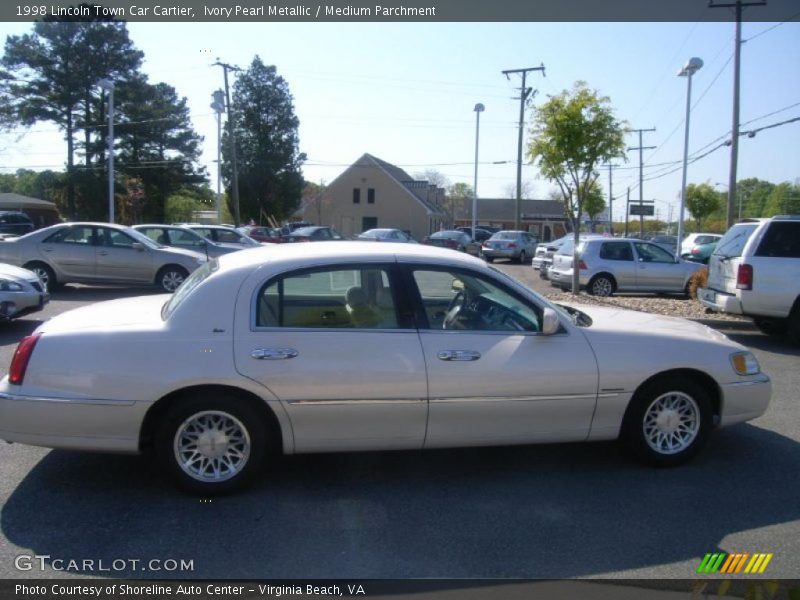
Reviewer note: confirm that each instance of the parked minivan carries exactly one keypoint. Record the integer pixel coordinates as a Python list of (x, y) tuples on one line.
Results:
[(755, 271)]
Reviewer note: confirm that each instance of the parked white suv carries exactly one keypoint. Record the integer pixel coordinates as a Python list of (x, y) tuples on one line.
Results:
[(755, 271)]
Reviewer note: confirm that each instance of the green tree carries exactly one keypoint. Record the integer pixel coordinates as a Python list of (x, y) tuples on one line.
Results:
[(702, 200), (752, 194), (270, 177), (784, 199), (594, 202), (457, 199), (50, 75), (573, 133)]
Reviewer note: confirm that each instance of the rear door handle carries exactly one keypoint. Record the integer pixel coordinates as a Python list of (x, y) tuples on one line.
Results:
[(274, 353), (459, 355)]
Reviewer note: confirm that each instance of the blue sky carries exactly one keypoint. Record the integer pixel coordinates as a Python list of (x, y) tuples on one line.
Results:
[(405, 93)]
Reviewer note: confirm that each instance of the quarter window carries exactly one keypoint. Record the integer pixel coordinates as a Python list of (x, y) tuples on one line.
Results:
[(331, 298), (616, 251), (782, 240)]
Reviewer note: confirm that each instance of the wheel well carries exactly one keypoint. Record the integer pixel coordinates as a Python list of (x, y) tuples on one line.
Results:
[(702, 379), (604, 274), (159, 408)]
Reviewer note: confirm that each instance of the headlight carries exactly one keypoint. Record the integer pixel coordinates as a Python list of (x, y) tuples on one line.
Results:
[(744, 363), (9, 286), (200, 260)]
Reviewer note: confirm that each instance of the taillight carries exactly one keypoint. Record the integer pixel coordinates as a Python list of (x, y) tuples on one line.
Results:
[(744, 277), (452, 244), (695, 250), (512, 245), (582, 266), (19, 364)]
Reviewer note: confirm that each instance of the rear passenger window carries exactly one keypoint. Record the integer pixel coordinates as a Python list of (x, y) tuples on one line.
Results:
[(616, 251), (329, 299), (782, 240)]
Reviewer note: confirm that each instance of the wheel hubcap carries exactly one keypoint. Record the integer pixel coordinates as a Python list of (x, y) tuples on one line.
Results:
[(671, 423), (212, 446), (43, 276), (602, 287), (171, 281)]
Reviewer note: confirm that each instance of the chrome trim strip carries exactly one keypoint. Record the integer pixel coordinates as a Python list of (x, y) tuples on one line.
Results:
[(748, 383), (359, 402), (92, 401), (521, 398), (327, 329)]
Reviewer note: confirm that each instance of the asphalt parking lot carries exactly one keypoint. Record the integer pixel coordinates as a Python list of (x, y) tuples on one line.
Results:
[(554, 511)]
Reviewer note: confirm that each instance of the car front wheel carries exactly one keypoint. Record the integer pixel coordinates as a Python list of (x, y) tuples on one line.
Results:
[(667, 422), (210, 444), (170, 277)]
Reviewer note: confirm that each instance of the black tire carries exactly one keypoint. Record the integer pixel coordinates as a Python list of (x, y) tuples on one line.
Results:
[(643, 423), (170, 277), (232, 427), (794, 322), (45, 273), (772, 326), (602, 285), (489, 259), (522, 257)]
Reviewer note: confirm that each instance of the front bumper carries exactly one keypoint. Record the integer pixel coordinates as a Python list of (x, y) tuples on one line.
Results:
[(74, 424), (18, 304), (719, 301), (745, 400)]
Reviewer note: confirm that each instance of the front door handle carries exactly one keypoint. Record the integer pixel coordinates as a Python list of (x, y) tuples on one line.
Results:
[(274, 353), (460, 355)]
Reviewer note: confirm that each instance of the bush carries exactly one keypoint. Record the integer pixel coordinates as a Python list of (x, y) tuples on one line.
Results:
[(698, 280)]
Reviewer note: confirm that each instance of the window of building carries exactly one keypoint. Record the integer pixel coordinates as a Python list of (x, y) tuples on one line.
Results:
[(356, 196), (371, 196)]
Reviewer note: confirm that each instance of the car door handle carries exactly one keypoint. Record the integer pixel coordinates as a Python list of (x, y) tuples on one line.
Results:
[(461, 355), (274, 353)]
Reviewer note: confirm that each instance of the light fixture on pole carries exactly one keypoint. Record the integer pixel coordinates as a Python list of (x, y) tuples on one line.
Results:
[(108, 85), (692, 67), (479, 108), (219, 107)]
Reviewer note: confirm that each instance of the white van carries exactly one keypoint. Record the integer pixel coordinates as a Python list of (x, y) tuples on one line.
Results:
[(755, 271)]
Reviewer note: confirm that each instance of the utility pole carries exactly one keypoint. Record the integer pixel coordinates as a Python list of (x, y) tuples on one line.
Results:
[(627, 210), (523, 97), (641, 175), (610, 199), (235, 188), (219, 107), (738, 5)]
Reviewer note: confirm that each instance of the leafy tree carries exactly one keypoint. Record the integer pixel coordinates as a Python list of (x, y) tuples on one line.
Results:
[(433, 177), (783, 200), (594, 202), (51, 73), (573, 133), (458, 195), (526, 191), (270, 179), (702, 200), (752, 193)]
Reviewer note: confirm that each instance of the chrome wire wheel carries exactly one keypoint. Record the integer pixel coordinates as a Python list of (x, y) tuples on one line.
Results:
[(671, 423), (212, 446), (602, 286)]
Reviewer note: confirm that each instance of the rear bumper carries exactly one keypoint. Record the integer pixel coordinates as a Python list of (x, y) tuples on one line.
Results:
[(719, 301), (746, 400), (75, 424), (500, 253)]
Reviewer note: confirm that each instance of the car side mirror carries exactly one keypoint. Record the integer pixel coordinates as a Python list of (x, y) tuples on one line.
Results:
[(550, 322), (137, 246)]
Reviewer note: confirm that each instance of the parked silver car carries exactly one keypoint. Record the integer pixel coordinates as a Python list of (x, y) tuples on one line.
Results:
[(178, 236), (608, 265), (99, 252), (224, 235), (513, 245), (386, 235), (21, 292)]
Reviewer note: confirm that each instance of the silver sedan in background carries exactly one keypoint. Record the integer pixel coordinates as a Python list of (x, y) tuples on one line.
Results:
[(178, 236), (513, 245), (21, 292)]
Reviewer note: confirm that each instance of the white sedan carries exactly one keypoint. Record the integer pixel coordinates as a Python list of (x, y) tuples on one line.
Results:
[(352, 346)]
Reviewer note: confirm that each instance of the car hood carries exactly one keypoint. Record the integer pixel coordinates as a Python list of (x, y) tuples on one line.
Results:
[(617, 324), (142, 312), (16, 272)]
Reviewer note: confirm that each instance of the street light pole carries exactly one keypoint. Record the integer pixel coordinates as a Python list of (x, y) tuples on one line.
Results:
[(219, 107), (694, 65), (479, 108), (108, 85)]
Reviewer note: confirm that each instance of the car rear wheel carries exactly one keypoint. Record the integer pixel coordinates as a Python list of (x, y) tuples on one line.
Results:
[(771, 326), (211, 444), (794, 321), (667, 422), (522, 257), (489, 259), (601, 285), (45, 273), (170, 277)]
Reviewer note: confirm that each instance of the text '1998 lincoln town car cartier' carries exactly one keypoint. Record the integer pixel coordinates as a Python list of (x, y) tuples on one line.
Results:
[(352, 346)]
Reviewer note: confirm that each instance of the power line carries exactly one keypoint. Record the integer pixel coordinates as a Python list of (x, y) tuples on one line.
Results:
[(768, 29)]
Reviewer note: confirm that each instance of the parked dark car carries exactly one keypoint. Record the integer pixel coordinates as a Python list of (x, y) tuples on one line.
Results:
[(261, 233), (317, 233), (481, 233), (453, 239), (15, 222), (700, 253), (386, 235)]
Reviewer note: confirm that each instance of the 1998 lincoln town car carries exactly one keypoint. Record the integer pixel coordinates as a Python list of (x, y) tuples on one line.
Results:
[(352, 346)]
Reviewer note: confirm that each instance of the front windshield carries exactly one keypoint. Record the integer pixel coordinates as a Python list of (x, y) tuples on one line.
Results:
[(142, 238)]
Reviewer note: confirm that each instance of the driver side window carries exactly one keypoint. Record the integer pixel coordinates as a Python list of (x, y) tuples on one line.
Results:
[(454, 300)]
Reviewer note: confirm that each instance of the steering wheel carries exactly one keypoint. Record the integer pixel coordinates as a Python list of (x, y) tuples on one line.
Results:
[(455, 306)]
